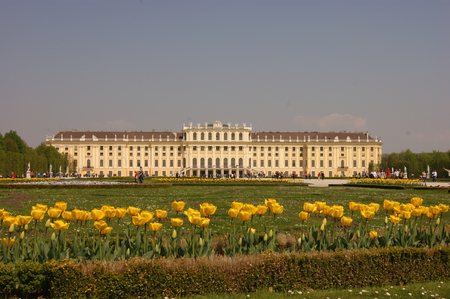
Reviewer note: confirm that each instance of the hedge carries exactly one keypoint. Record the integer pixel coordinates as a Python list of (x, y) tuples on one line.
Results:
[(186, 277)]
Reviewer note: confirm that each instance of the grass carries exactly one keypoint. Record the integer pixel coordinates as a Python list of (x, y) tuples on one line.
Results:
[(438, 289), (20, 201)]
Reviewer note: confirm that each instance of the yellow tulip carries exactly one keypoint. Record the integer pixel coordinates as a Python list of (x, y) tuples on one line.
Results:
[(178, 206), (373, 234), (66, 215), (444, 208), (233, 213), (8, 242), (23, 220), (320, 205), (176, 221), (37, 214), (54, 213), (327, 210), (405, 215), (434, 210), (195, 220), (416, 212), (138, 220), (107, 207), (110, 212), (269, 202), (353, 206), (40, 207), (121, 212), (205, 222), (97, 214), (60, 225), (374, 205), (346, 221), (3, 214), (432, 215), (337, 211), (61, 205), (303, 215), (237, 205), (416, 201), (133, 211), (155, 226), (100, 225), (149, 216), (276, 209), (308, 207), (368, 214), (106, 230), (388, 205), (86, 215), (160, 214), (261, 209), (249, 208), (9, 220), (244, 216), (207, 209), (394, 219), (77, 214), (192, 212)]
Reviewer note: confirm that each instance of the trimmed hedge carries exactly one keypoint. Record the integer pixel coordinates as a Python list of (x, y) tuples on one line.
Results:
[(186, 277)]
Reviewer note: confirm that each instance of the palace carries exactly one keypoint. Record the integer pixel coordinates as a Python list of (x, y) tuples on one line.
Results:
[(218, 150)]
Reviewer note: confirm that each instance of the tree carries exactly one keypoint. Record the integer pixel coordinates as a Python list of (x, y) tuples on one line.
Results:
[(21, 145)]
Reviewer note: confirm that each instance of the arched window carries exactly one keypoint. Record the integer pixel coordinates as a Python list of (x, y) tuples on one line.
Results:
[(194, 163), (240, 136), (202, 136), (195, 136), (184, 162), (88, 163), (202, 163), (209, 162), (225, 136), (241, 163), (233, 162), (232, 136), (217, 162), (225, 162), (210, 136), (342, 164), (217, 136)]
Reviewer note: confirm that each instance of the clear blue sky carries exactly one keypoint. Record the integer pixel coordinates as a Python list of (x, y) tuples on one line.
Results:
[(376, 66)]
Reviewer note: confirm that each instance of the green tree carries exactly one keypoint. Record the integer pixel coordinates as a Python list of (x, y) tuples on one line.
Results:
[(21, 145)]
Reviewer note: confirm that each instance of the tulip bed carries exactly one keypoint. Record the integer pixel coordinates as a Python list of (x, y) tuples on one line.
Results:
[(108, 225)]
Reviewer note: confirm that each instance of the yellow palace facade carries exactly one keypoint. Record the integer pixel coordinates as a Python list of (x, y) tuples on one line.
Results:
[(218, 150)]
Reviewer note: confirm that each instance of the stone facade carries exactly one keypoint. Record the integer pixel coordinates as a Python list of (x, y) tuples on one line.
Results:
[(218, 150)]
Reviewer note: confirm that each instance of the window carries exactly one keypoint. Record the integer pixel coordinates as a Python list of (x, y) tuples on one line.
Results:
[(138, 163), (354, 148), (269, 163), (241, 148), (202, 148), (163, 148), (233, 148), (363, 163), (225, 162), (225, 136), (240, 136), (218, 148), (286, 148), (146, 163), (217, 136), (354, 163), (313, 163), (286, 163), (261, 163), (233, 136), (293, 163), (209, 136), (156, 148), (119, 163), (171, 163), (342, 149), (209, 162), (163, 163), (138, 148), (371, 149), (110, 163), (363, 149), (300, 164), (178, 163), (156, 163), (202, 136), (321, 163), (330, 163), (101, 154), (313, 148), (131, 148), (195, 136), (210, 148), (194, 162), (194, 148), (217, 162), (119, 148), (277, 163), (342, 164), (101, 148), (254, 163), (131, 163), (101, 163), (321, 148), (89, 148)]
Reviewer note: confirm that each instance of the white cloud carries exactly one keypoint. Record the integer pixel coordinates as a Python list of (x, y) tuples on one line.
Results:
[(332, 122)]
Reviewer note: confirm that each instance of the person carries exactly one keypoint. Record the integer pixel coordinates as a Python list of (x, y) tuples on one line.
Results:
[(424, 177), (135, 176), (323, 175), (141, 175), (434, 175)]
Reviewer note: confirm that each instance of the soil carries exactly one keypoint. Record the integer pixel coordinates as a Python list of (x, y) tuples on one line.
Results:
[(15, 199)]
